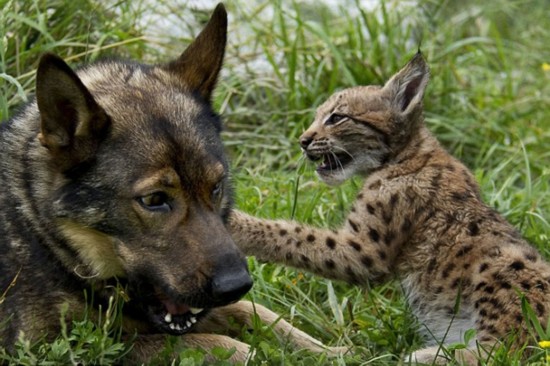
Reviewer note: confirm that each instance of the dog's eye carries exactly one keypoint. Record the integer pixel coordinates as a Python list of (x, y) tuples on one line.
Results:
[(217, 191), (334, 118), (158, 201)]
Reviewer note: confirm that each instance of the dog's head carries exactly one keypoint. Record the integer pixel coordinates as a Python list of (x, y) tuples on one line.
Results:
[(140, 185)]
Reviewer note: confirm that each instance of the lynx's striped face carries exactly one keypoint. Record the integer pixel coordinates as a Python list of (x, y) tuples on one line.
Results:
[(348, 135), (358, 130)]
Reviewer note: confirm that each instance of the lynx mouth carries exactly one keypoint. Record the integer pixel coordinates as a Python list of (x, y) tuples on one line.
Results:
[(332, 162), (173, 317)]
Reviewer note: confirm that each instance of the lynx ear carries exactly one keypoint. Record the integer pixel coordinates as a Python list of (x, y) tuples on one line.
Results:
[(72, 123), (406, 88), (198, 67)]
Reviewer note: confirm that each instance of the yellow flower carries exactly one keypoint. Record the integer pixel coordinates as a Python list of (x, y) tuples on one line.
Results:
[(299, 277), (545, 66), (544, 344)]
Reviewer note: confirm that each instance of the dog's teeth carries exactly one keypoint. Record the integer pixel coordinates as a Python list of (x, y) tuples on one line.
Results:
[(172, 326), (195, 311), (168, 318), (177, 327), (193, 319), (188, 323)]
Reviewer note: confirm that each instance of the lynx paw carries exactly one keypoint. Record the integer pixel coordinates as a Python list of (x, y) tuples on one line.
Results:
[(438, 356)]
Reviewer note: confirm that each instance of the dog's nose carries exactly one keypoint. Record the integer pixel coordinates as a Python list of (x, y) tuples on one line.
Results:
[(305, 141), (231, 284)]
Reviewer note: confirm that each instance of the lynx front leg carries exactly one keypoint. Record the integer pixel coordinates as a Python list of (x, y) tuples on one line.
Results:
[(242, 313), (352, 254)]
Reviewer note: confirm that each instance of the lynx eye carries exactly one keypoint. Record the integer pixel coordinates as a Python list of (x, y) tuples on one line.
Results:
[(156, 202), (334, 118)]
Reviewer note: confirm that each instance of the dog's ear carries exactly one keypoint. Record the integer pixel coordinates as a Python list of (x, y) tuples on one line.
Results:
[(198, 67), (406, 87), (72, 123)]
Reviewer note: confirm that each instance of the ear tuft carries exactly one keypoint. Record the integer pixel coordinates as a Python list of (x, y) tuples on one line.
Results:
[(406, 88)]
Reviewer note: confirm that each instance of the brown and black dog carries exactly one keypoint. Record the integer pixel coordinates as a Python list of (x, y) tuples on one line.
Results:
[(116, 174)]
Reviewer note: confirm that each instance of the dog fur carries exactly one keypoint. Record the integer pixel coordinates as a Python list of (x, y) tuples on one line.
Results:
[(115, 175)]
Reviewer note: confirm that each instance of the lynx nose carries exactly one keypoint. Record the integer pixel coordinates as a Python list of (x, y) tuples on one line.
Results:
[(305, 141)]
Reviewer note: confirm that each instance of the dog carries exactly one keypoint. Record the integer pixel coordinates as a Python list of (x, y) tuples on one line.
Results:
[(115, 175)]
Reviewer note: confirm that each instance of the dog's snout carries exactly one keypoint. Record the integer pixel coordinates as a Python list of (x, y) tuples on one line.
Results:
[(230, 283)]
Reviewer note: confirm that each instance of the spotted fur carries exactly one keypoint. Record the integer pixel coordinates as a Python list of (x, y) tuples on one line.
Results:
[(418, 217)]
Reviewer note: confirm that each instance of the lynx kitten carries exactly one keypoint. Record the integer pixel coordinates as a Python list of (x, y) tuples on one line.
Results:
[(419, 217)]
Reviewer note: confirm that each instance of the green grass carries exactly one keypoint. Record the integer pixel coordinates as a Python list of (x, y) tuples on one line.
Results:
[(488, 101)]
